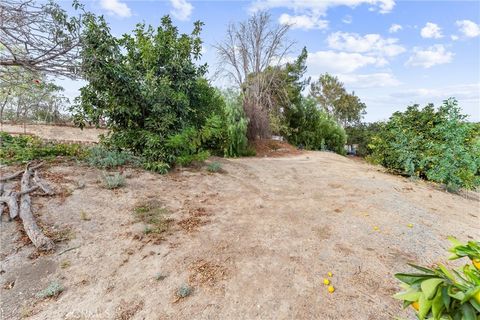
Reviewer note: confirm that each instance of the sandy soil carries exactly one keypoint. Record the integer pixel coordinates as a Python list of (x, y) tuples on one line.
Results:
[(89, 135), (254, 242)]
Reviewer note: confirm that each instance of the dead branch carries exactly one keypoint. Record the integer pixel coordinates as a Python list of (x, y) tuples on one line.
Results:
[(39, 240), (19, 173), (42, 184)]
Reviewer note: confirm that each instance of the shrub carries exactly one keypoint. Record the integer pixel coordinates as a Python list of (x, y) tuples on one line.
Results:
[(214, 167), (22, 149), (184, 291), (438, 293), (113, 181), (361, 134), (101, 157), (313, 129), (438, 145), (236, 125), (53, 290)]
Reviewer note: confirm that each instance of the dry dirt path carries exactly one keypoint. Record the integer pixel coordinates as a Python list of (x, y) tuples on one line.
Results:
[(255, 242)]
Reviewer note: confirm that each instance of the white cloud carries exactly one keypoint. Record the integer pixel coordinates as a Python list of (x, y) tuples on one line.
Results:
[(347, 19), (454, 37), (182, 9), (306, 22), (369, 43), (338, 62), (426, 58), (115, 7), (321, 6), (372, 80), (431, 30), (468, 28), (395, 28), (466, 92)]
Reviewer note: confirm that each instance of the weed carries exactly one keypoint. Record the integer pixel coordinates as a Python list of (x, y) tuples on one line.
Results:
[(160, 276), (184, 291), (214, 167), (53, 290), (153, 215), (65, 264), (113, 181), (84, 216)]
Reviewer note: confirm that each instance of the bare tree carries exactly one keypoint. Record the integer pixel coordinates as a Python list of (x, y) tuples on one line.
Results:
[(38, 38), (249, 49)]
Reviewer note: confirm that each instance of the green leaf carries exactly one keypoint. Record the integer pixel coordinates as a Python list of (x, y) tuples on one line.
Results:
[(446, 298), (412, 295), (411, 278), (426, 270), (468, 312), (424, 307), (437, 305), (447, 273), (429, 287)]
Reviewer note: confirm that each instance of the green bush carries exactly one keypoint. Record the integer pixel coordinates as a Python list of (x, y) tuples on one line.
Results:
[(361, 134), (313, 129), (214, 167), (104, 158), (113, 181), (22, 149), (438, 145), (53, 290)]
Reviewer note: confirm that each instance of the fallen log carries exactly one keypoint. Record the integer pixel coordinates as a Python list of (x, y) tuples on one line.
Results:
[(39, 240), (42, 184)]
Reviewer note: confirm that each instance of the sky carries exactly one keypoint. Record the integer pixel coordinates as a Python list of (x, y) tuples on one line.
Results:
[(391, 53)]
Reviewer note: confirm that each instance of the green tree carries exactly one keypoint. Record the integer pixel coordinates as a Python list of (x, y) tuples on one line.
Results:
[(147, 87), (332, 97), (438, 145)]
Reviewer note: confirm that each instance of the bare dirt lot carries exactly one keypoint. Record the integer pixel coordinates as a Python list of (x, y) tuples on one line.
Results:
[(254, 242), (49, 132)]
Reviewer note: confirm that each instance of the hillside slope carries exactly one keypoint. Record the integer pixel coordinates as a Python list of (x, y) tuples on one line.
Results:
[(254, 242)]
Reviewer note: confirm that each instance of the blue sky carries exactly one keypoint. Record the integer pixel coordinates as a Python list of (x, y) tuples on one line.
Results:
[(391, 53)]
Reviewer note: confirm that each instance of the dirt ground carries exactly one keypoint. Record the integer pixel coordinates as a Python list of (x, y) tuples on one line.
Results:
[(254, 242), (89, 135)]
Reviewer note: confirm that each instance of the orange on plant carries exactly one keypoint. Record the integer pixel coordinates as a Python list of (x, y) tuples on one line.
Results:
[(476, 263), (415, 305)]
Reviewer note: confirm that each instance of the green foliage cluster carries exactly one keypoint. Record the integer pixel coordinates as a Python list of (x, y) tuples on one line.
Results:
[(438, 145), (361, 134), (53, 290), (113, 181), (22, 149), (154, 216), (101, 157), (441, 294), (236, 125), (150, 91), (313, 129), (214, 167)]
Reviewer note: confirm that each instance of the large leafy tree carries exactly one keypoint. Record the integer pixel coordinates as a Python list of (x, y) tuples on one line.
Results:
[(38, 37), (332, 97), (146, 85)]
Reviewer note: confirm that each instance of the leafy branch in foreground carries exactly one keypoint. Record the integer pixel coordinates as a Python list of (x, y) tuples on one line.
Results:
[(440, 294)]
